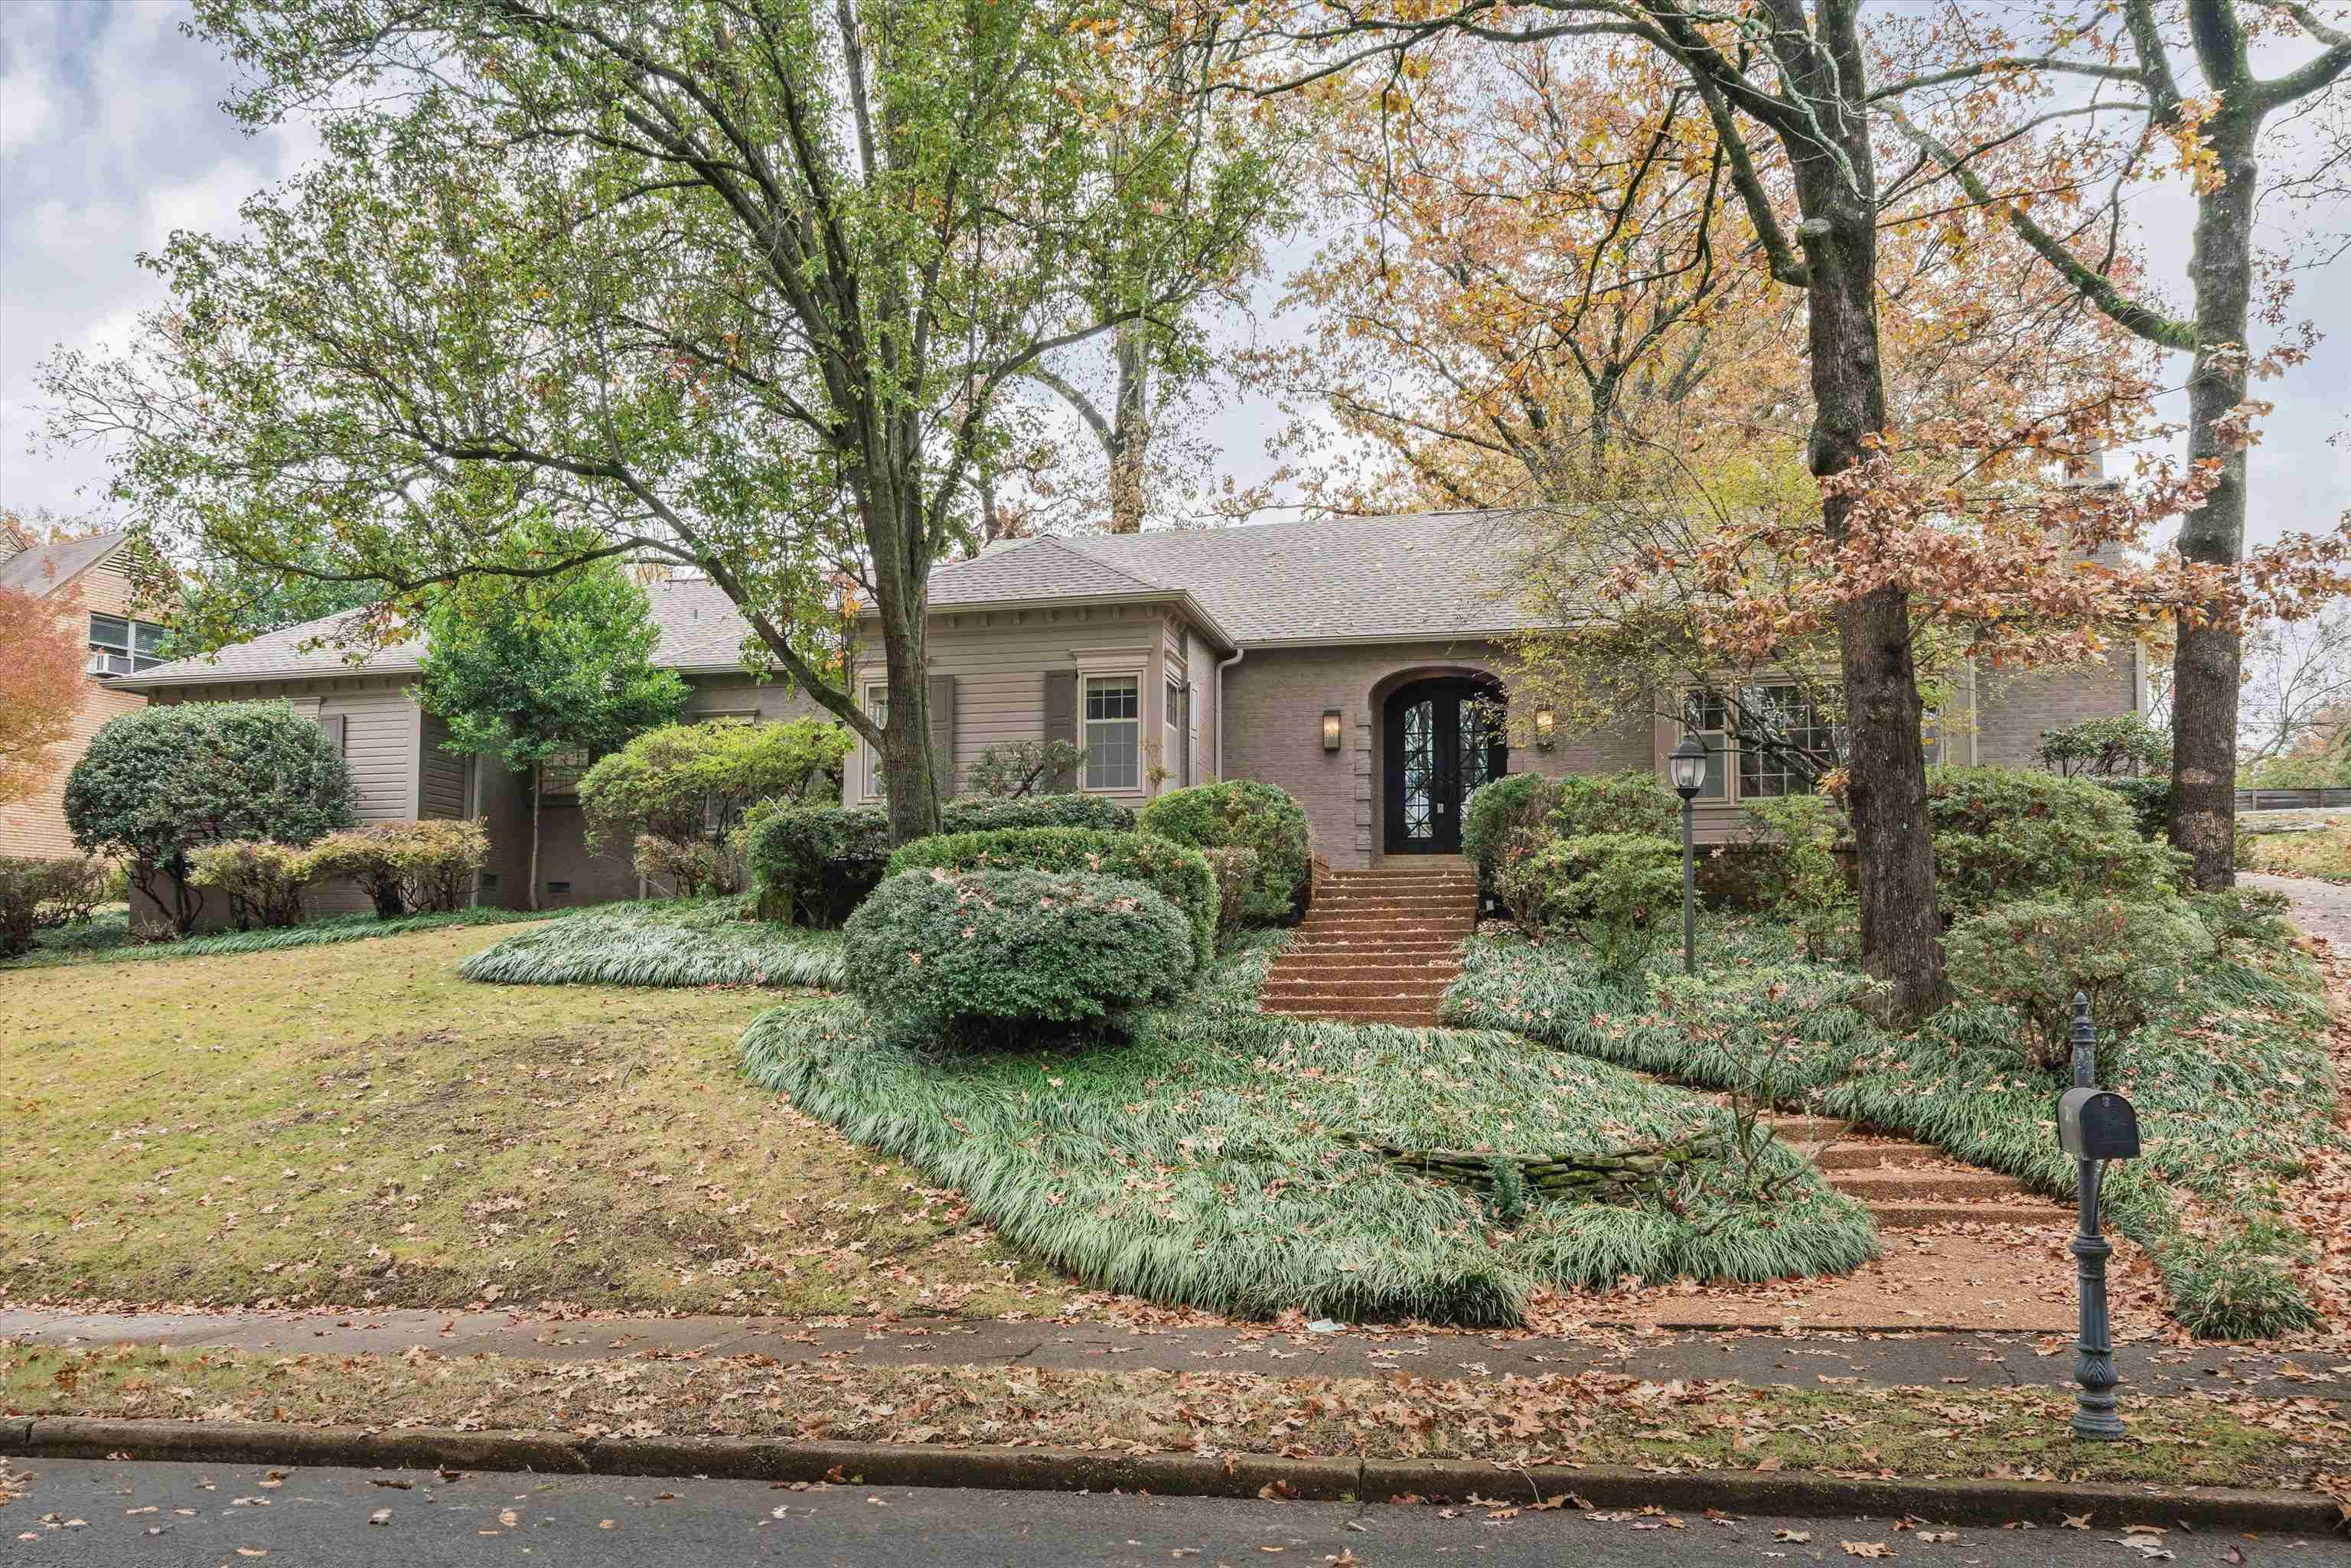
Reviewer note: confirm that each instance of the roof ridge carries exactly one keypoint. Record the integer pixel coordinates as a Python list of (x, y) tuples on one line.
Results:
[(1075, 547)]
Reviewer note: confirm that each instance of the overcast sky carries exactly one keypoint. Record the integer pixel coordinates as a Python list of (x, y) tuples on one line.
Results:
[(111, 136)]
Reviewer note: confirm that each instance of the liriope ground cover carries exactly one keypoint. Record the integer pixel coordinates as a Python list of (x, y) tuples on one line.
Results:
[(662, 942), (2234, 1090), (1205, 1159)]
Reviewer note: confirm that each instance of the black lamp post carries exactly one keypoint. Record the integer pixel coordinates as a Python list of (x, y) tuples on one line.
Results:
[(1688, 766)]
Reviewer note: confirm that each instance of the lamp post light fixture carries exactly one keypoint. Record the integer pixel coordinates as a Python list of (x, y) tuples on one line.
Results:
[(1330, 729), (1687, 767), (1546, 727)]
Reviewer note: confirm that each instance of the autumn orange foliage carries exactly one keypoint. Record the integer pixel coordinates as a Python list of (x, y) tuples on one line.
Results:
[(41, 655)]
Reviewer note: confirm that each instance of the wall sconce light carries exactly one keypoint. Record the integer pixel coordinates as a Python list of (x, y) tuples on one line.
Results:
[(1330, 729), (1545, 722)]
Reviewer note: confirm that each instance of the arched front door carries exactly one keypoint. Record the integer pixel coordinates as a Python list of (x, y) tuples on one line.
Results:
[(1444, 738)]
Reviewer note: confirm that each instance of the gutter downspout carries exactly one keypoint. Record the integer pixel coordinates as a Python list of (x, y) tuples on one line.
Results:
[(1238, 654)]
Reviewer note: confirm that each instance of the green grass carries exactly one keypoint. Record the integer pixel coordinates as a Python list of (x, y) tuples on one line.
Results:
[(2322, 850), (663, 942), (106, 938), (2232, 1085), (1204, 1161), (357, 1126)]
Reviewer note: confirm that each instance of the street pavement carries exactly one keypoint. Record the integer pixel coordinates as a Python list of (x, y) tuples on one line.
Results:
[(99, 1514), (1981, 1360)]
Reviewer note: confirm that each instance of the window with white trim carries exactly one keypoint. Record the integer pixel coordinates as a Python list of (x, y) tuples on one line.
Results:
[(1114, 732), (1178, 759), (1762, 741), (869, 756), (123, 647)]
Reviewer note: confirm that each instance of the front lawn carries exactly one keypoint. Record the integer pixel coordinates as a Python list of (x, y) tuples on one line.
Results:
[(1521, 1426), (1217, 1157), (105, 936), (2321, 850), (663, 942), (2232, 1083), (354, 1123)]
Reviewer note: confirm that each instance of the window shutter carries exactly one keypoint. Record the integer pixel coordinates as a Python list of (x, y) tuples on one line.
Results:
[(332, 723), (1061, 719), (943, 717)]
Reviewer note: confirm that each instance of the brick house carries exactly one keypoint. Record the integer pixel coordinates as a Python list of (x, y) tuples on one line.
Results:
[(1348, 661), (86, 578), (1351, 661)]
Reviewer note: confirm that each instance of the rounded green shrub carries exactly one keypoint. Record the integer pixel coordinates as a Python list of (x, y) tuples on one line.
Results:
[(813, 863), (2128, 956), (1177, 872), (1631, 801), (157, 783), (1242, 812), (2005, 833), (989, 814), (2149, 800), (978, 953), (1617, 892), (691, 783), (1499, 814)]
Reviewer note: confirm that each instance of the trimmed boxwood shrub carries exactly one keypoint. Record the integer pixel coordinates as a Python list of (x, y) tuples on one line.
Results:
[(157, 783), (1631, 801), (422, 867), (1246, 813), (2005, 833), (991, 813), (1618, 892), (812, 863), (1515, 805), (2150, 803), (1177, 872), (263, 882), (978, 953)]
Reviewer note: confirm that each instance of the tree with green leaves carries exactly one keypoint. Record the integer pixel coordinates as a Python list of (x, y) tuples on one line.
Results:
[(215, 603), (542, 670), (742, 285)]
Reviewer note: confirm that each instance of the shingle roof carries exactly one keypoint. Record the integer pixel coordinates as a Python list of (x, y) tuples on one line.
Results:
[(46, 568), (1427, 575), (700, 629)]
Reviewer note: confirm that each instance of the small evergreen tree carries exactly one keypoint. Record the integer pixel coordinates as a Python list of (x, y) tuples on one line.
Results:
[(536, 669)]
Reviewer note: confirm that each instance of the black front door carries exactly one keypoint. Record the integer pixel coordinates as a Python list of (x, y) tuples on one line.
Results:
[(1444, 739)]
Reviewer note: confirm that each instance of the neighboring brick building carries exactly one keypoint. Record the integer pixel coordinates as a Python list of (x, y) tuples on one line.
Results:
[(90, 579)]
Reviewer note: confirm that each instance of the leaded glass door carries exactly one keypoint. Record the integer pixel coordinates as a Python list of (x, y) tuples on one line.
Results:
[(1444, 739)]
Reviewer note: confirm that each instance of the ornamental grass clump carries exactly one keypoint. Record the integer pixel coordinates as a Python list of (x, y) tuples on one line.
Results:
[(987, 956), (1177, 872), (2230, 1075), (1222, 1158), (665, 942)]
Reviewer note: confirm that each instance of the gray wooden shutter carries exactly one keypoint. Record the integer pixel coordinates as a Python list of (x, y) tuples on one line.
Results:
[(942, 716), (1061, 720), (332, 723)]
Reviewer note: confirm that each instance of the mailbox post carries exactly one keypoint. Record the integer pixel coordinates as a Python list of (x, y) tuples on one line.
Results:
[(2093, 1125)]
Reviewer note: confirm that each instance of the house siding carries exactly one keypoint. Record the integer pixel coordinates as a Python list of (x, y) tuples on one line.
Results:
[(2012, 709), (440, 772), (999, 659)]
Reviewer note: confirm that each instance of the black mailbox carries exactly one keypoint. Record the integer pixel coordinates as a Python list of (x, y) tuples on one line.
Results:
[(2097, 1124)]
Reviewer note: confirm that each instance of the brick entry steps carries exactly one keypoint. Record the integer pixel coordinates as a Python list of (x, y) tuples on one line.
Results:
[(1379, 946), (1913, 1186)]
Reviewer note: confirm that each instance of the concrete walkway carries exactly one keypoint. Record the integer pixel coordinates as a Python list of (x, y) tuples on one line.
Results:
[(1982, 1360)]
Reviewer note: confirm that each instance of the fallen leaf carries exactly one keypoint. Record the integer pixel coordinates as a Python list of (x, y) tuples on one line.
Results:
[(1866, 1549), (381, 1516), (1797, 1536)]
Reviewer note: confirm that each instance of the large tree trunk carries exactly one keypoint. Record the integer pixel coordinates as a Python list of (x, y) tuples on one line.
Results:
[(2206, 676), (910, 777), (1130, 438), (1884, 718)]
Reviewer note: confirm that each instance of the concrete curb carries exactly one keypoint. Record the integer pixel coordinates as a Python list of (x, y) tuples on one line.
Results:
[(1164, 1474)]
